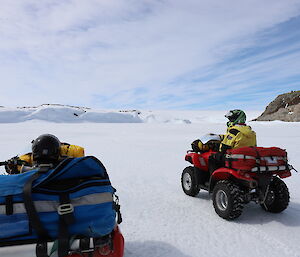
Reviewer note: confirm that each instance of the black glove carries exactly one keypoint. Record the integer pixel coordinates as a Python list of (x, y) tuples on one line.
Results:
[(195, 146)]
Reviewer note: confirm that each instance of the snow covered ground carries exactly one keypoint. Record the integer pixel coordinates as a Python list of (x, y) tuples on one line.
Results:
[(145, 161)]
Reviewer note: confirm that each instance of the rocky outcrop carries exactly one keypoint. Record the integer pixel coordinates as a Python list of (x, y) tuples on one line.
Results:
[(285, 107)]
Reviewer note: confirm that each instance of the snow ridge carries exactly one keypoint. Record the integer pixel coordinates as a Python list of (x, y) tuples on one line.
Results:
[(65, 114), (58, 113)]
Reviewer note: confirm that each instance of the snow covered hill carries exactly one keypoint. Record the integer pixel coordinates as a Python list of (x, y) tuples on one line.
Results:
[(68, 114), (145, 161), (72, 114)]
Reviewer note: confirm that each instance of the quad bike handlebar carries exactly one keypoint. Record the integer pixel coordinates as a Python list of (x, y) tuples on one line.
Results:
[(190, 151)]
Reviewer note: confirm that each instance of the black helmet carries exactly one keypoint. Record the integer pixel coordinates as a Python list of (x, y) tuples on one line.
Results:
[(46, 148)]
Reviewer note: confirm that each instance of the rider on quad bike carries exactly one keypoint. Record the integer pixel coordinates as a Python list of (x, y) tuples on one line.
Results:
[(238, 135), (235, 171)]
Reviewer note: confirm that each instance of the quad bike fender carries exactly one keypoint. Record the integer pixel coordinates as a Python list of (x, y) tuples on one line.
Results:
[(200, 161), (118, 243), (117, 251), (285, 174), (118, 246), (234, 175)]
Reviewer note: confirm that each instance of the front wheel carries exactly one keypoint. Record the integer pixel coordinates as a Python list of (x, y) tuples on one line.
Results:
[(227, 200), (278, 197), (189, 181)]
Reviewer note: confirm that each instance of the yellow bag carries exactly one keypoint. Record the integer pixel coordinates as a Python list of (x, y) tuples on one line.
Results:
[(71, 150), (27, 158)]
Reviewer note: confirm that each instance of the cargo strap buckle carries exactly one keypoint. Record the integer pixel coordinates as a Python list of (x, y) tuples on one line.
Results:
[(43, 168), (65, 209)]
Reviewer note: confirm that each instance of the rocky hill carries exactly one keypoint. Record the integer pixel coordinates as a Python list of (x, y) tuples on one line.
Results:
[(285, 107)]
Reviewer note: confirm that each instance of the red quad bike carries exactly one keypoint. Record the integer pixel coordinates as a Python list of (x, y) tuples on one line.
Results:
[(249, 174)]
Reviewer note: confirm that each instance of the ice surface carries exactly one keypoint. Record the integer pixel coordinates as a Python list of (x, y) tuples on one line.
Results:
[(145, 161)]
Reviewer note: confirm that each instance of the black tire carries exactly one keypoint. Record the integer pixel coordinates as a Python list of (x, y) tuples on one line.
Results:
[(278, 197), (227, 200), (189, 181)]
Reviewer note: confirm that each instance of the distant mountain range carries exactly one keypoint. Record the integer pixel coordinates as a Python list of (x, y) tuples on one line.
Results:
[(285, 107), (59, 113)]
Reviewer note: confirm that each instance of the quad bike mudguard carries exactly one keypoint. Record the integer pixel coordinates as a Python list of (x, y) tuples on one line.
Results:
[(229, 174), (106, 251), (199, 160)]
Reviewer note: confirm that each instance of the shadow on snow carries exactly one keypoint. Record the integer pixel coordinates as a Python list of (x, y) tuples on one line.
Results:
[(152, 249), (254, 214)]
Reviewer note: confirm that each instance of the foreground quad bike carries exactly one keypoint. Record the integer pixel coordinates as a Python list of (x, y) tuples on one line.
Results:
[(247, 174)]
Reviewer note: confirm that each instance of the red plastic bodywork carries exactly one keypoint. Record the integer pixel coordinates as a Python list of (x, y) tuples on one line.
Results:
[(283, 174), (225, 173), (118, 247), (200, 160)]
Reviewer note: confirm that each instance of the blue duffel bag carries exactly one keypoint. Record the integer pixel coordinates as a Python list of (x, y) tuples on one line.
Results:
[(73, 199)]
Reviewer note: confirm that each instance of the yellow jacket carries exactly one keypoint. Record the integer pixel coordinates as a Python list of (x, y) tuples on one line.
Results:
[(238, 136)]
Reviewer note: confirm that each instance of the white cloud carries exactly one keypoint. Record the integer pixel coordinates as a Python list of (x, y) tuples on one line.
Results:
[(70, 51)]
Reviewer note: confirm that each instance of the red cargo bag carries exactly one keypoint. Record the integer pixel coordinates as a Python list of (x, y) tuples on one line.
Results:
[(258, 159)]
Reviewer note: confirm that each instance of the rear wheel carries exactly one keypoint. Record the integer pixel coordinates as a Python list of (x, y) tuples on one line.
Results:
[(278, 197), (227, 200), (189, 181)]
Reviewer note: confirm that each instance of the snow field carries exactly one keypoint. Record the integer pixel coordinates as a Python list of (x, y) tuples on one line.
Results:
[(145, 161)]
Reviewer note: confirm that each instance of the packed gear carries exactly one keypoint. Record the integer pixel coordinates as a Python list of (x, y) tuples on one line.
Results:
[(257, 159), (207, 142), (67, 150), (14, 165), (75, 199), (54, 152), (198, 146)]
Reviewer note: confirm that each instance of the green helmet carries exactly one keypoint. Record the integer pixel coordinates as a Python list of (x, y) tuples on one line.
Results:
[(235, 117)]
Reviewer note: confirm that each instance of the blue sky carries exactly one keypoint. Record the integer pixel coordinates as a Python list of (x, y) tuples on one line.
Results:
[(149, 54)]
